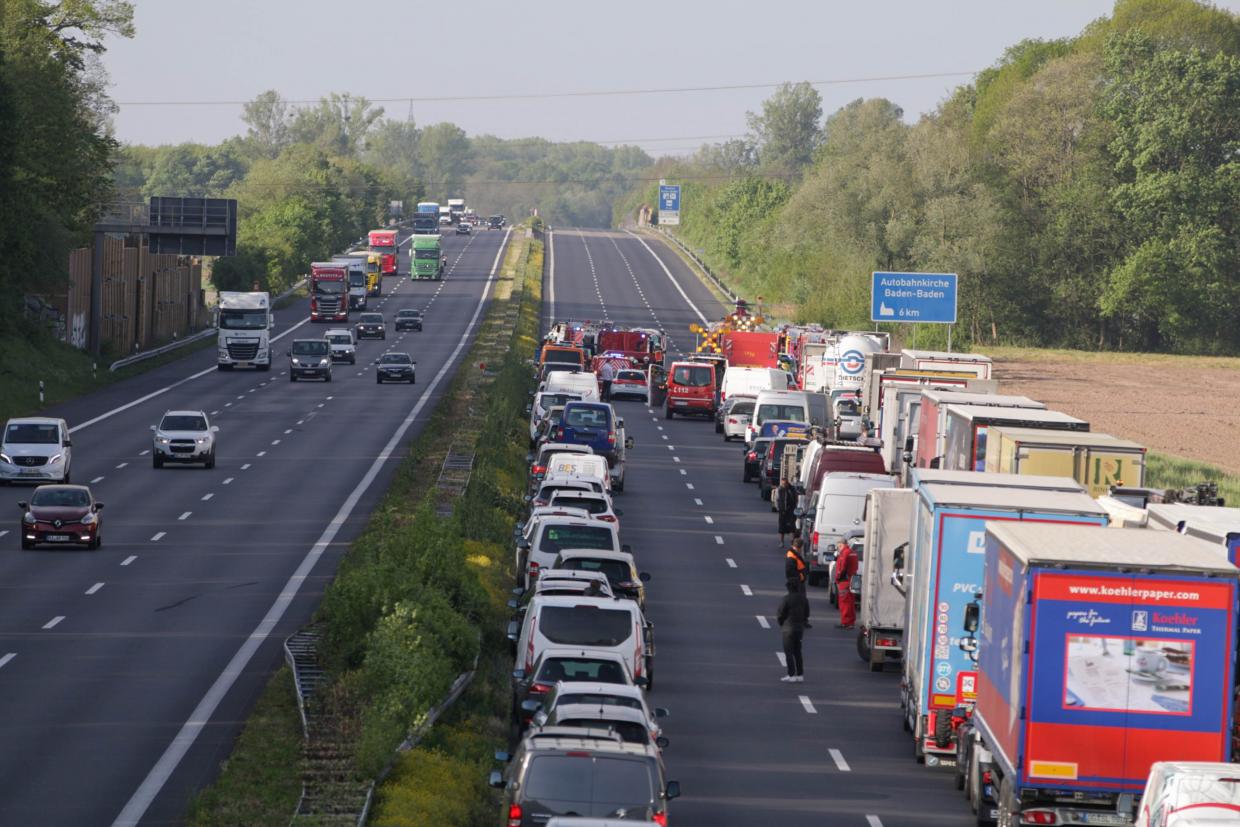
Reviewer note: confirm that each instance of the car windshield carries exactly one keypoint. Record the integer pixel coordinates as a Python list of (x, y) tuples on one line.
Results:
[(631, 375), (60, 497), (357, 278), (408, 314), (585, 625), (847, 407), (595, 670), (562, 357), (692, 376), (601, 780), (586, 418), (243, 319), (329, 287), (395, 359), (791, 413), (372, 318), (559, 537), (616, 571), (426, 254), (183, 423), (595, 699), (304, 348), (631, 732), (340, 339), (32, 434)]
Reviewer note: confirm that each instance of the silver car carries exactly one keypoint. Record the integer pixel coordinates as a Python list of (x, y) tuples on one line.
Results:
[(184, 436), (735, 418), (35, 449)]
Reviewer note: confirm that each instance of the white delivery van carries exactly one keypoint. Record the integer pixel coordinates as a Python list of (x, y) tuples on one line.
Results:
[(792, 406), (584, 385), (543, 539), (740, 381), (597, 623), (841, 509)]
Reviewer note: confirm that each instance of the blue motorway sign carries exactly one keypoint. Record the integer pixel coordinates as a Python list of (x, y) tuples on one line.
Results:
[(913, 297), (669, 197)]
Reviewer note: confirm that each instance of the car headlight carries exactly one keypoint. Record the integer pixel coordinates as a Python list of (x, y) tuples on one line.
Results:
[(55, 458), (28, 518), (161, 439), (6, 458), (202, 440), (89, 519), (223, 352), (323, 362)]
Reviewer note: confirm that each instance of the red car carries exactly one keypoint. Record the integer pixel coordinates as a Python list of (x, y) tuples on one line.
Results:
[(690, 389), (61, 515)]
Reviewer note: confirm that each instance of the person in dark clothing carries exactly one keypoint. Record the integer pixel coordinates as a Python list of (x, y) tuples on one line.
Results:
[(793, 617), (786, 504)]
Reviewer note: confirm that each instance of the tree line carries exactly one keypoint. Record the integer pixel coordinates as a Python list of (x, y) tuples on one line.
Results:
[(1084, 189)]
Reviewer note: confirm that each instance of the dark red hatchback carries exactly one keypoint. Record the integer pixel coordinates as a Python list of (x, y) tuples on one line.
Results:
[(61, 515)]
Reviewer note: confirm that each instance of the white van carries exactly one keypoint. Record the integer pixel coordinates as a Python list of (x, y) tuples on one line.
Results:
[(579, 466), (739, 381), (841, 509), (606, 623), (585, 385), (543, 539), (792, 406)]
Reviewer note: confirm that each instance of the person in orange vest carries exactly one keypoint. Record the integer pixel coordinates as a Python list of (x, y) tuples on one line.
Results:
[(845, 567), (795, 568)]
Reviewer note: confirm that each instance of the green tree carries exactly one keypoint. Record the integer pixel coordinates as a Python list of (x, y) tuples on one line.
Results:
[(339, 124), (788, 130), (267, 120), (444, 152)]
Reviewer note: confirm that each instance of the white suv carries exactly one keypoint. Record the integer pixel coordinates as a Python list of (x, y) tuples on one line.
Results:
[(35, 449), (343, 347), (184, 436)]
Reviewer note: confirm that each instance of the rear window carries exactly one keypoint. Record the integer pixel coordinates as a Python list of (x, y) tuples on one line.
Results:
[(792, 413), (692, 376), (569, 357), (552, 400), (631, 375), (593, 505), (588, 778), (629, 731), (591, 670), (585, 625), (595, 699), (579, 417), (742, 409), (559, 537), (616, 571)]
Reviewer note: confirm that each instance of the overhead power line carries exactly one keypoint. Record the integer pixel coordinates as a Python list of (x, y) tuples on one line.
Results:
[(596, 93)]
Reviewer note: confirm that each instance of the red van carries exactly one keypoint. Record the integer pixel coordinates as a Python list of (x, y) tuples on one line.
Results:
[(690, 389)]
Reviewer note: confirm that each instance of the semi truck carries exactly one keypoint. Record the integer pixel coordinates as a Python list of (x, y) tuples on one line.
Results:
[(426, 219), (456, 209), (329, 288), (978, 364), (356, 266), (750, 348), (445, 216), (385, 243), (426, 260), (888, 529), (946, 565), (373, 263), (968, 426), (244, 322), (1097, 461), (932, 419), (1097, 654)]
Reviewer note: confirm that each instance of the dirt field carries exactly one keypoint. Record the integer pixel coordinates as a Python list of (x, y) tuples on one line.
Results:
[(1186, 406)]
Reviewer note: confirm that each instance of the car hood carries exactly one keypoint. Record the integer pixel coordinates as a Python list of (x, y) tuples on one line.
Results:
[(47, 513), (19, 450), (183, 434)]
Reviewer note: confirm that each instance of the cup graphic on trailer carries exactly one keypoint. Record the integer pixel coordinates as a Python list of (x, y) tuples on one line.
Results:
[(1151, 661)]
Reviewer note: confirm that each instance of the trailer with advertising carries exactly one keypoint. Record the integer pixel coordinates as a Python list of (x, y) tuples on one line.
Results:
[(978, 364), (849, 356), (1097, 461), (968, 426), (946, 568), (1098, 654), (899, 414), (877, 382), (1215, 524), (932, 421), (329, 289), (385, 243), (888, 529), (243, 322)]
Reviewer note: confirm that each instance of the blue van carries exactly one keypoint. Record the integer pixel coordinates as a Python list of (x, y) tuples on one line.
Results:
[(593, 424)]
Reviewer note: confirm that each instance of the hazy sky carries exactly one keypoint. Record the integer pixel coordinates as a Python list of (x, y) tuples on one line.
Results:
[(230, 50)]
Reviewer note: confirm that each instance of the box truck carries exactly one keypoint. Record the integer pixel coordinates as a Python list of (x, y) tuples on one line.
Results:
[(976, 363), (1097, 461), (967, 426), (1098, 654), (932, 419), (888, 528), (946, 565)]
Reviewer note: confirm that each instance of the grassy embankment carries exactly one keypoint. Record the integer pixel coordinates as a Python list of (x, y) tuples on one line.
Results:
[(416, 598)]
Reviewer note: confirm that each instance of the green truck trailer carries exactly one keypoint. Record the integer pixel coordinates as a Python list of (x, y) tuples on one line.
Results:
[(427, 260)]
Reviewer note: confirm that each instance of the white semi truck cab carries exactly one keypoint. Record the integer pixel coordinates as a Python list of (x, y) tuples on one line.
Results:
[(243, 324)]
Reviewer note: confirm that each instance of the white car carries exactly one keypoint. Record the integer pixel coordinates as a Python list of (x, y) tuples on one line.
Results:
[(343, 346), (736, 417), (184, 436), (631, 384), (545, 401), (1190, 793), (596, 505), (35, 449)]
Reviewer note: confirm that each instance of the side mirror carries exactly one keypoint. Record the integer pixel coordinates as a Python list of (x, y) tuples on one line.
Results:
[(530, 706), (502, 756), (153, 428), (529, 409), (68, 443), (644, 576), (672, 790), (800, 487), (518, 591), (529, 457), (495, 780), (523, 544), (618, 512), (23, 505), (661, 742), (97, 506), (518, 674), (661, 712), (619, 423), (271, 322), (512, 604), (641, 682), (972, 614), (907, 456), (512, 635), (215, 429)]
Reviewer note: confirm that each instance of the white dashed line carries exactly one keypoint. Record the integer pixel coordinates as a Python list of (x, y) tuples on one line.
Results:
[(697, 501), (185, 516), (245, 467), (129, 559), (96, 479), (873, 821), (731, 563), (213, 413), (688, 485), (836, 755), (718, 540), (301, 422), (683, 472), (227, 404), (665, 436), (207, 496), (122, 465), (709, 519), (144, 452), (161, 534), (241, 396), (94, 588), (660, 427), (745, 590), (675, 459), (289, 430), (4, 660), (671, 447), (762, 621), (54, 622), (227, 481), (261, 454), (783, 661), (805, 702), (275, 442), (2, 533)]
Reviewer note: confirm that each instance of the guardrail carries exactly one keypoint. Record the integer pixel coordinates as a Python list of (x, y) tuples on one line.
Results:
[(195, 337), (703, 266)]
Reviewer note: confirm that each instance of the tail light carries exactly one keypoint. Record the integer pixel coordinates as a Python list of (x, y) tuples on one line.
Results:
[(660, 819), (1039, 817), (606, 518), (813, 540), (752, 456), (732, 420), (532, 569), (538, 469), (986, 777), (611, 439), (514, 815), (883, 641), (540, 688)]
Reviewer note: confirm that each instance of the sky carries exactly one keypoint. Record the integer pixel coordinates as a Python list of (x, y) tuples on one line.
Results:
[(188, 52)]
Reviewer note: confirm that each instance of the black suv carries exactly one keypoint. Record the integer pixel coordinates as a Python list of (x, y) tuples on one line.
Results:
[(583, 772), (370, 326), (409, 319)]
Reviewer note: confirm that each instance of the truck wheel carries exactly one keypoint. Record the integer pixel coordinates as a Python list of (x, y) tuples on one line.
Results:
[(863, 649)]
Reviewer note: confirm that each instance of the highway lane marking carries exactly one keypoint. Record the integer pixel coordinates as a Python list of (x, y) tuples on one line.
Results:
[(783, 661), (122, 465), (671, 447), (731, 563), (675, 459), (838, 758), (809, 707), (709, 519), (762, 621), (227, 481), (94, 588), (144, 452), (683, 472), (227, 404), (301, 422), (688, 485), (200, 717), (129, 559), (275, 442), (873, 821), (213, 413), (665, 437), (245, 467), (697, 500), (745, 590), (2, 533), (185, 516), (251, 390), (207, 496), (242, 396), (261, 454), (159, 535), (718, 540), (290, 430), (96, 479), (4, 660), (675, 283), (54, 622), (660, 427), (321, 404)]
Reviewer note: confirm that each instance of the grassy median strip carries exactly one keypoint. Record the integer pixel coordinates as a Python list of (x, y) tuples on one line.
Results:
[(1166, 471), (416, 601)]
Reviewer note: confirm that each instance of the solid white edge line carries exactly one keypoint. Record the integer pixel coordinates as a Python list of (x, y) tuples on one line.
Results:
[(155, 780), (551, 277), (809, 706), (763, 622), (4, 660), (838, 758), (675, 283), (873, 821)]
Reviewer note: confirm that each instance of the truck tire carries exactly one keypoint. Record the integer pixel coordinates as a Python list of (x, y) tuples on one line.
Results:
[(863, 647), (942, 730)]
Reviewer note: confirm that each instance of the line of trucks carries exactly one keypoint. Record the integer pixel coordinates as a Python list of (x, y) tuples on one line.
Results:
[(1060, 628)]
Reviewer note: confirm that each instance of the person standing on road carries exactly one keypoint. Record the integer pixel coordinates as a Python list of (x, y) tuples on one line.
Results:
[(795, 567), (606, 373), (786, 504), (845, 567), (793, 617)]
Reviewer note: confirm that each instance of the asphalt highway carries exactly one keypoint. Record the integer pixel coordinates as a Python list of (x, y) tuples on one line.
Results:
[(125, 673), (747, 749)]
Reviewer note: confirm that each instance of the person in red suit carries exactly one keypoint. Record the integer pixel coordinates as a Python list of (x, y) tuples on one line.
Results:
[(845, 567)]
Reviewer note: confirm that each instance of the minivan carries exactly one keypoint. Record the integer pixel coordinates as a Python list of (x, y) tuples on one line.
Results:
[(784, 405), (840, 510), (35, 449), (544, 539), (602, 623), (741, 381), (690, 389)]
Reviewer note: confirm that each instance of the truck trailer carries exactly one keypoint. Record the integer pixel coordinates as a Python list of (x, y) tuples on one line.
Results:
[(1097, 461), (243, 322), (1098, 653), (426, 219), (888, 529), (967, 427)]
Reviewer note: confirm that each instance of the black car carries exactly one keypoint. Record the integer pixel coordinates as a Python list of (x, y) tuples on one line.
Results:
[(495, 222), (768, 472), (409, 319), (371, 326), (463, 228), (396, 367), (753, 458)]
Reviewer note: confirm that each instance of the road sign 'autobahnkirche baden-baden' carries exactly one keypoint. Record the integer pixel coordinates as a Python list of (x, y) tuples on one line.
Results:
[(913, 297)]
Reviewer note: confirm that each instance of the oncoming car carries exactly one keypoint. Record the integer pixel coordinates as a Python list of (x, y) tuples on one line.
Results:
[(310, 358), (340, 342), (371, 326), (396, 367), (409, 319), (35, 449), (184, 436), (61, 515)]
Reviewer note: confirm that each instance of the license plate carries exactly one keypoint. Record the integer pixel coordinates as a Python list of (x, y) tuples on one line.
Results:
[(57, 538), (1104, 818), (31, 472), (680, 402)]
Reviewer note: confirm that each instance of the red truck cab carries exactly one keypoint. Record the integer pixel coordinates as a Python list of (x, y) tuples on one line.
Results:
[(384, 242), (690, 389), (329, 287)]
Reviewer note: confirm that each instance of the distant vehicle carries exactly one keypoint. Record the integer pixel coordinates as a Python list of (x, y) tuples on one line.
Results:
[(371, 326), (409, 319), (243, 321), (329, 286), (184, 436), (690, 389), (543, 402), (733, 416), (426, 220), (36, 449), (768, 471), (463, 228), (753, 459), (61, 515), (495, 222), (310, 359), (426, 259), (384, 243), (343, 348), (630, 383), (396, 367)]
